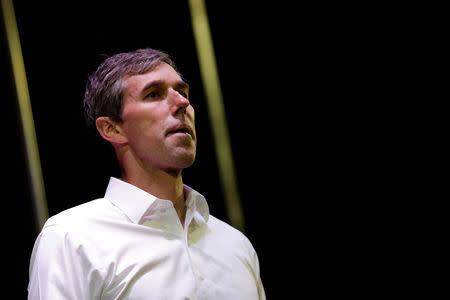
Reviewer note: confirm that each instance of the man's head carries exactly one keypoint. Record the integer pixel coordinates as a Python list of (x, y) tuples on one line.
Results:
[(139, 103), (105, 87)]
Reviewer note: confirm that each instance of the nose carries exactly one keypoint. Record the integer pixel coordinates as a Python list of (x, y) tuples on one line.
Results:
[(179, 102)]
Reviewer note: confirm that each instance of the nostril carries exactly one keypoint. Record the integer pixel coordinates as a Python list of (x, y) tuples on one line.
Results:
[(181, 110)]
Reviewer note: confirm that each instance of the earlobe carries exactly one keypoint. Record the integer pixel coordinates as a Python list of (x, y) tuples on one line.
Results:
[(110, 130)]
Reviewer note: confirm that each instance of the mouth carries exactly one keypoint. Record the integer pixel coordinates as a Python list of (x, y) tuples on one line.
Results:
[(182, 129)]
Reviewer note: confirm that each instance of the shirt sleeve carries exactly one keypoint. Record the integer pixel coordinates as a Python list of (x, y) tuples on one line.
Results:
[(260, 287), (253, 262), (59, 268)]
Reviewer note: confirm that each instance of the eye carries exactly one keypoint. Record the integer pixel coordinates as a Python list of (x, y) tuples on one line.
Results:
[(153, 94), (184, 94)]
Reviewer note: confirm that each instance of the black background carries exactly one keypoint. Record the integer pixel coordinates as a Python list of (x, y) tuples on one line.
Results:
[(289, 77)]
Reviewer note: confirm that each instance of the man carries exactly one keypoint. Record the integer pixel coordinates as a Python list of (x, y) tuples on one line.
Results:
[(151, 236)]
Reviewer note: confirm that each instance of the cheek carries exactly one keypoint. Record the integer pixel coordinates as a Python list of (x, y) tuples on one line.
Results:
[(139, 129), (144, 140), (190, 112)]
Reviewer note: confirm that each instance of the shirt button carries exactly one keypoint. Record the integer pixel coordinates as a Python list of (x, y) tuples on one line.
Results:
[(201, 277)]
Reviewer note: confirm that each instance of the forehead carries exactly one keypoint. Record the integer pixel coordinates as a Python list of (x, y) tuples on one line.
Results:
[(162, 72)]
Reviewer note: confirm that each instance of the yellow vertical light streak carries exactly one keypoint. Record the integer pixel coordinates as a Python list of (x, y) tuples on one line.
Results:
[(208, 69), (26, 114)]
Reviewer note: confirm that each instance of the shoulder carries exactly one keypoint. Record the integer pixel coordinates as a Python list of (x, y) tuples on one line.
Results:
[(230, 235), (73, 230), (232, 246), (82, 223), (65, 247), (80, 215)]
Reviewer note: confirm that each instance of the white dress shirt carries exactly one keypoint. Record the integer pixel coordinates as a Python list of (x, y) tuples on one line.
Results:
[(131, 245)]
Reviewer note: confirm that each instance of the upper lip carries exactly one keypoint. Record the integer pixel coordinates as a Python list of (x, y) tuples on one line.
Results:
[(181, 128)]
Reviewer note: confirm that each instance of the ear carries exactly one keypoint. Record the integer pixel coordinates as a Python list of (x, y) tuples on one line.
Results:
[(111, 131)]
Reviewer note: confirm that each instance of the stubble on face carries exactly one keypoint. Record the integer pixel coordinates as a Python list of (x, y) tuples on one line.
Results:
[(160, 134)]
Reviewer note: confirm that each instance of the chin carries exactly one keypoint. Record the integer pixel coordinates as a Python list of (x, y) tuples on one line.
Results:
[(179, 166), (184, 160), (188, 161)]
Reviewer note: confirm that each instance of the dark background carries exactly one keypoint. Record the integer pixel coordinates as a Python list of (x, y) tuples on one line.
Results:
[(289, 76), (64, 41)]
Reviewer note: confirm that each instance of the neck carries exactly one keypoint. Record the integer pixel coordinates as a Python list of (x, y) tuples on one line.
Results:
[(163, 184)]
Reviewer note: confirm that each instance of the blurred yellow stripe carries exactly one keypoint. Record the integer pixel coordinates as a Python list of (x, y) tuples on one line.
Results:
[(26, 114), (211, 84)]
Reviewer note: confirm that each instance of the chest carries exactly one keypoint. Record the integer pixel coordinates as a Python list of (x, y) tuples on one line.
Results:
[(158, 266)]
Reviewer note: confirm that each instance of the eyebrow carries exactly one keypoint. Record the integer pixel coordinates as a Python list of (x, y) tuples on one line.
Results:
[(179, 85)]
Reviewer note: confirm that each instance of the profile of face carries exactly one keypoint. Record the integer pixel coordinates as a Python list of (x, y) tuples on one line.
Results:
[(158, 119)]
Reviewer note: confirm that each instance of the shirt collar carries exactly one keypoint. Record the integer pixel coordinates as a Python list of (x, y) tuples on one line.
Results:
[(135, 202), (196, 204)]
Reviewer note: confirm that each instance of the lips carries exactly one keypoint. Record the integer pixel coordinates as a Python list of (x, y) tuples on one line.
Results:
[(181, 128)]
